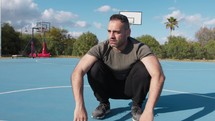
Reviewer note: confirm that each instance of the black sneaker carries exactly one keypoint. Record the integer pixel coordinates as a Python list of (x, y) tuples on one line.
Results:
[(136, 112), (101, 111)]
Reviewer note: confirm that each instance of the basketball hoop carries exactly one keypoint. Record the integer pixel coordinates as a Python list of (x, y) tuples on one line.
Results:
[(134, 18), (41, 29), (43, 26)]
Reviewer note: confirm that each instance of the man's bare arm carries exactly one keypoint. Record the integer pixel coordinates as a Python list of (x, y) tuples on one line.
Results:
[(156, 84), (77, 85)]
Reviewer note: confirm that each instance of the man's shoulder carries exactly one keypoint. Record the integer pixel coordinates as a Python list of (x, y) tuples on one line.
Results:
[(99, 49), (103, 42), (136, 42)]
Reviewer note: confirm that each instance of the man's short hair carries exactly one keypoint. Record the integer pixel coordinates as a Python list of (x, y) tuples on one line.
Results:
[(122, 18)]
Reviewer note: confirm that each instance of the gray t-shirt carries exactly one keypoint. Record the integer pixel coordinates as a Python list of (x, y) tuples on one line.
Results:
[(120, 62)]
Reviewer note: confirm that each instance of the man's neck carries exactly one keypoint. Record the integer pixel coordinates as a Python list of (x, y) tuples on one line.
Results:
[(122, 47)]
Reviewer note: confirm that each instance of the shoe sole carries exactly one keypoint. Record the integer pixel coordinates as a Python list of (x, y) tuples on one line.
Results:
[(108, 111)]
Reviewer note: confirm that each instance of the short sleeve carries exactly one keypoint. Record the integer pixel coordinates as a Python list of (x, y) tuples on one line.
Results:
[(97, 50), (143, 51)]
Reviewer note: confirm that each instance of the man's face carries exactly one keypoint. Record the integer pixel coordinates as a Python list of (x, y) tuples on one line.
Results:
[(117, 34)]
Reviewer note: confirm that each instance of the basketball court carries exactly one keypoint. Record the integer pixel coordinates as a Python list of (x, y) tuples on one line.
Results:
[(39, 90)]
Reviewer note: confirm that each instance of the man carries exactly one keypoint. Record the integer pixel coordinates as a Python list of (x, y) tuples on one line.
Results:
[(119, 68)]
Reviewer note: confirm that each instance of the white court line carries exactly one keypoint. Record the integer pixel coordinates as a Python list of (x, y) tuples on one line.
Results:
[(53, 63), (33, 89), (57, 87), (195, 94)]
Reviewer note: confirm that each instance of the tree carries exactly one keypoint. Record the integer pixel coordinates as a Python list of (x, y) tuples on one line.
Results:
[(26, 43), (196, 51), (84, 43), (10, 40), (56, 40), (69, 43), (177, 48), (171, 24), (210, 49), (152, 43), (204, 35)]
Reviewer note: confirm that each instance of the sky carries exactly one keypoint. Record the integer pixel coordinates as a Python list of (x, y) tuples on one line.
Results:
[(81, 16)]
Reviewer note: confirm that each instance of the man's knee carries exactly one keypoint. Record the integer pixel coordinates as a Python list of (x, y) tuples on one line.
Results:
[(99, 71)]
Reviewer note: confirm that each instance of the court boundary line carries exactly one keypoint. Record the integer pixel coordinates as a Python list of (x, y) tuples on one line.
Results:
[(33, 89), (190, 93), (57, 87)]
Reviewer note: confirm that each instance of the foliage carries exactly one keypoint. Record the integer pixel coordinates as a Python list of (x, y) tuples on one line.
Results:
[(210, 49), (152, 43), (69, 46), (10, 40), (84, 43), (55, 39), (204, 35), (59, 43), (177, 48), (26, 43), (196, 51)]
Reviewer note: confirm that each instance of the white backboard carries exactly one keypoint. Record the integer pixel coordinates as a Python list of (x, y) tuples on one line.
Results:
[(134, 17), (43, 26)]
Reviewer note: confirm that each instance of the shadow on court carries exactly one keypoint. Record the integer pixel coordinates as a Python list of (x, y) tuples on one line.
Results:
[(181, 102), (116, 111), (174, 103)]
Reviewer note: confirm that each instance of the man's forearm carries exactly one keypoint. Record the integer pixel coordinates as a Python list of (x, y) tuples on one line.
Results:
[(156, 86), (77, 87)]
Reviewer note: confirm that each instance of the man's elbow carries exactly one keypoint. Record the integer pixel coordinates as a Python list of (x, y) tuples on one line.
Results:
[(73, 75), (76, 75)]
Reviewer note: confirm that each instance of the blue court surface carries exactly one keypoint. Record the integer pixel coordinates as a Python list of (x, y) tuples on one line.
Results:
[(39, 90)]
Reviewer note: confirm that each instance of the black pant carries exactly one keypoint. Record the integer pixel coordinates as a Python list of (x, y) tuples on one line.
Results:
[(105, 85)]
